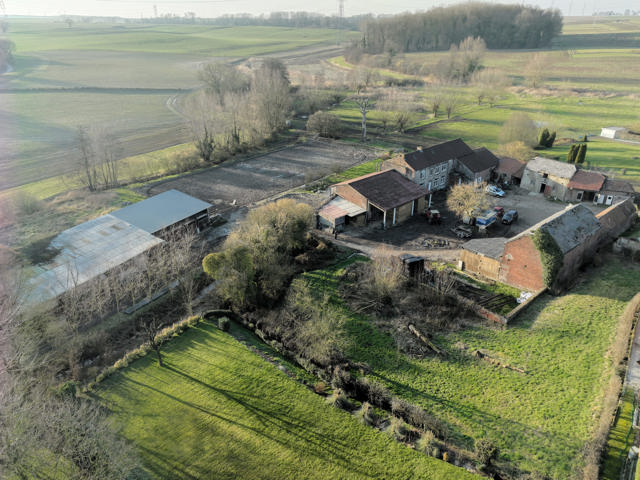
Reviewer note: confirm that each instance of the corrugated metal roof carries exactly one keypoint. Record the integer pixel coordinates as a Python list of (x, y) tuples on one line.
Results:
[(161, 211), (339, 207), (553, 167), (86, 251)]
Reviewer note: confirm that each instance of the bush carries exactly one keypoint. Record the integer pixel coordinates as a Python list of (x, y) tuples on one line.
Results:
[(486, 451), (426, 443), (340, 400), (224, 324), (367, 415), (320, 388), (519, 128), (401, 431), (324, 124)]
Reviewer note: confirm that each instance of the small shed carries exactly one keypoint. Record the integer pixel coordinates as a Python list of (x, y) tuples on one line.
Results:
[(338, 212), (509, 170), (482, 256), (612, 132), (413, 265)]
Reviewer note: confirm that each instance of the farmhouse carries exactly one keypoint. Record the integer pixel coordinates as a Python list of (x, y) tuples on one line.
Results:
[(612, 132), (430, 168), (386, 196), (478, 165), (543, 175), (99, 245), (509, 170), (576, 231)]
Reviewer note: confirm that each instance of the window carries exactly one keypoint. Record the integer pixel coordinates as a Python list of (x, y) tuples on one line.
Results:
[(421, 173), (545, 175)]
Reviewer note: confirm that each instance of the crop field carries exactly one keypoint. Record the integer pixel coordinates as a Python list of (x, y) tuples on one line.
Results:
[(541, 419), (126, 78), (219, 410)]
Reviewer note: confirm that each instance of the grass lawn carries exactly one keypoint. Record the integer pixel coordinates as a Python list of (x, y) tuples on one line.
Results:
[(541, 420), (621, 438), (217, 410)]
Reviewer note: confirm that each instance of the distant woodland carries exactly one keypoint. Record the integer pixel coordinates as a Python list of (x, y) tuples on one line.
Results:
[(500, 26)]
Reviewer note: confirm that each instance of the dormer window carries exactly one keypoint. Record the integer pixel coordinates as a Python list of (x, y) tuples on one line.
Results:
[(545, 175)]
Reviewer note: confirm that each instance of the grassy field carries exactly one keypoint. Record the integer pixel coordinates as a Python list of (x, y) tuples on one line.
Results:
[(126, 78), (621, 438), (542, 419), (217, 410)]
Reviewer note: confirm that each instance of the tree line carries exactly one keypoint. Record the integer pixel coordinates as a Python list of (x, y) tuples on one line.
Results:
[(500, 26)]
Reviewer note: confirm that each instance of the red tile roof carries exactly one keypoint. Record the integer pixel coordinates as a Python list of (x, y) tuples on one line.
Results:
[(587, 180)]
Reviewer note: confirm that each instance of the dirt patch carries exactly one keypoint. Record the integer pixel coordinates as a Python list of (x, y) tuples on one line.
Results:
[(248, 181)]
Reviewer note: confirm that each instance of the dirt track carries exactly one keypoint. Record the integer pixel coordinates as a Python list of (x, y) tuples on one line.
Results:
[(249, 181)]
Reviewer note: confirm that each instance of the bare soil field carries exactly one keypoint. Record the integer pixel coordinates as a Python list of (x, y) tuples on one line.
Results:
[(244, 182)]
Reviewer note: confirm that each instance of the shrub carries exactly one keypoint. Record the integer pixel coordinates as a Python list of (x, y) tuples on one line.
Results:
[(367, 415), (224, 324), (426, 442), (401, 431), (324, 124), (340, 400), (379, 395), (320, 388), (519, 128), (486, 451)]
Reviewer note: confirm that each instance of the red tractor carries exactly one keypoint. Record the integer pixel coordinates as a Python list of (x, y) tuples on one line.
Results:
[(433, 216)]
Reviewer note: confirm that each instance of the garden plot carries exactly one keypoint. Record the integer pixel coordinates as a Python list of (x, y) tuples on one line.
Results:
[(247, 181)]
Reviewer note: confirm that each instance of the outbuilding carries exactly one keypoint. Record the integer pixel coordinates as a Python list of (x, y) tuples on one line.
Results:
[(612, 132), (482, 256), (547, 176), (386, 197)]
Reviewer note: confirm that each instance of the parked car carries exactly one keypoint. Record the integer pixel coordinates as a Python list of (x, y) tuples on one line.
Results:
[(495, 191), (462, 231), (510, 217), (499, 211)]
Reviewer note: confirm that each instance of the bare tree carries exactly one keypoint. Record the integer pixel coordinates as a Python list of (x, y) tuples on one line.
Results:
[(183, 254), (270, 93), (535, 69), (450, 102), (221, 79), (99, 156), (364, 105), (489, 84), (150, 330), (519, 128), (401, 121), (435, 101), (203, 113), (464, 198)]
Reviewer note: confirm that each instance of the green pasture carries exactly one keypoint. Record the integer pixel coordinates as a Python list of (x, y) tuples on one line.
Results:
[(217, 410), (542, 419)]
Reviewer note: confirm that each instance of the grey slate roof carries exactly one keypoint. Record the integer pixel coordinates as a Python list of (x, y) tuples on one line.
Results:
[(489, 247), (479, 160), (552, 167), (622, 186), (425, 158), (386, 189), (569, 227), (161, 211)]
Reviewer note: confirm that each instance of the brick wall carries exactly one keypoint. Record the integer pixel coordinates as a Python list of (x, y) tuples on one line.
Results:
[(349, 193), (521, 266)]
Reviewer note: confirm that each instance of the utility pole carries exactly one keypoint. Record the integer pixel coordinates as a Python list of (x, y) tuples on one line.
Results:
[(340, 36)]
